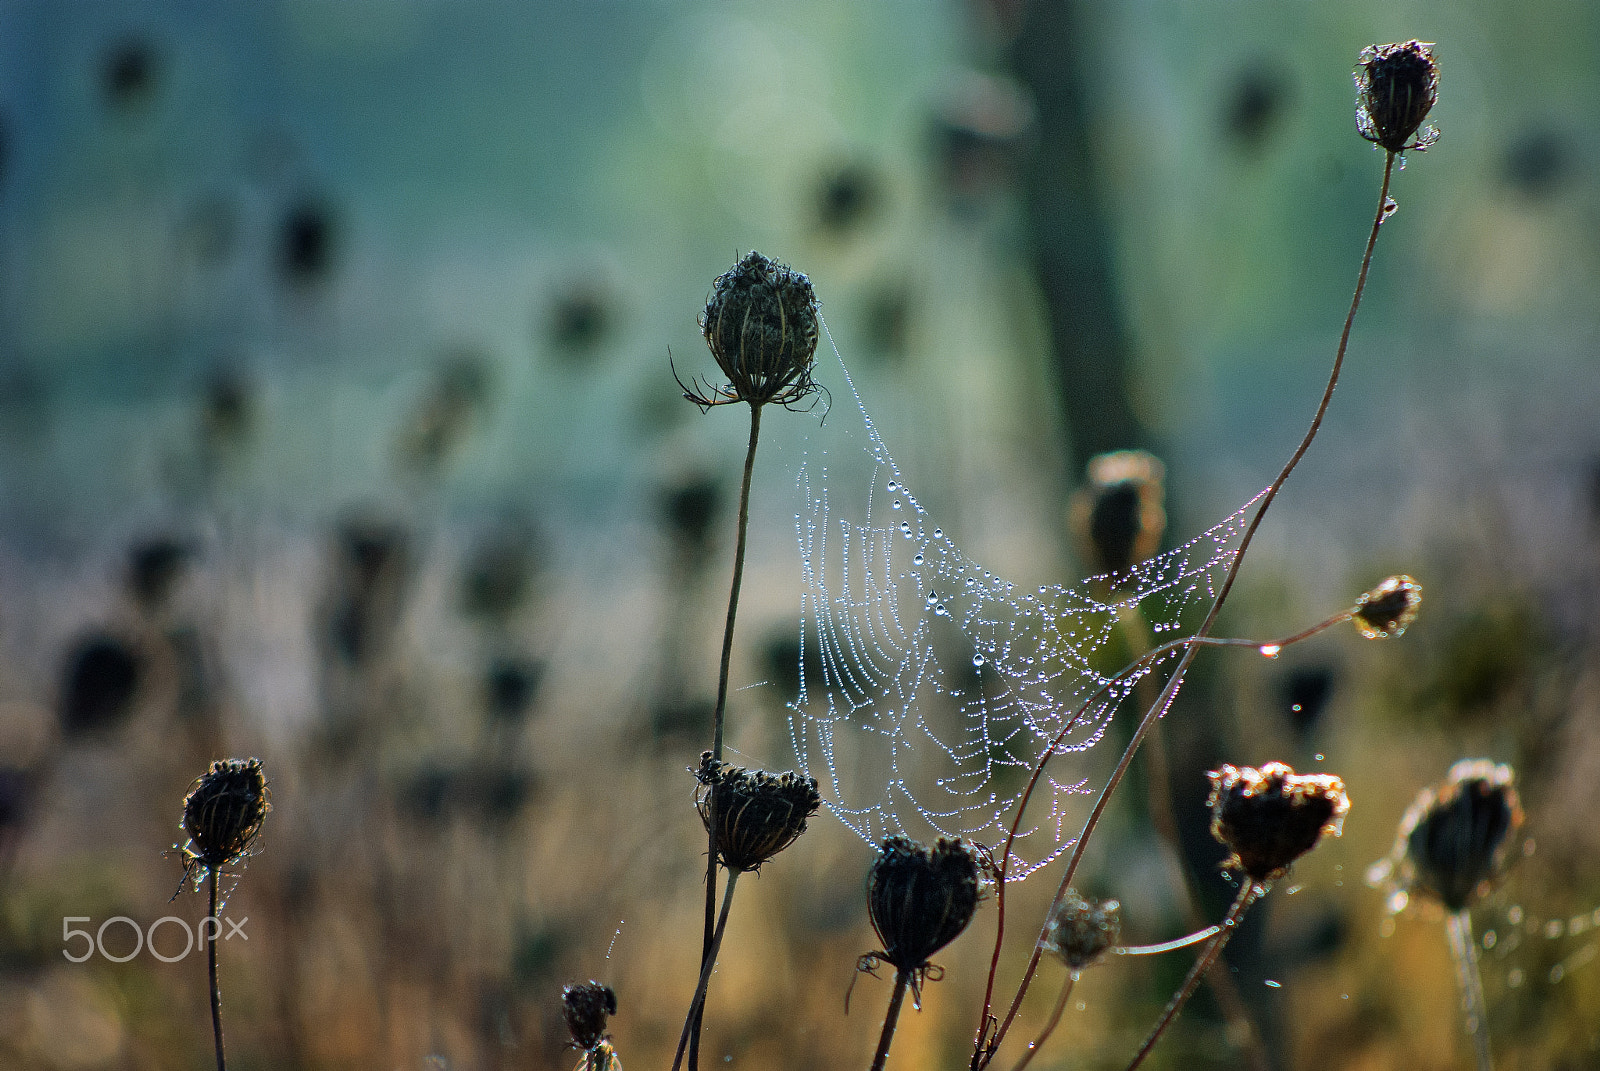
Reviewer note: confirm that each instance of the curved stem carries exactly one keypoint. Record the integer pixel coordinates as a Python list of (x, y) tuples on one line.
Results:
[(1247, 896), (1167, 946), (902, 979), (1464, 950), (211, 960), (1190, 645), (1050, 1025), (691, 1021)]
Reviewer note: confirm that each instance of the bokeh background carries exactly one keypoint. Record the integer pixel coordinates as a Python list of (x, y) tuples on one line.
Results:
[(337, 427)]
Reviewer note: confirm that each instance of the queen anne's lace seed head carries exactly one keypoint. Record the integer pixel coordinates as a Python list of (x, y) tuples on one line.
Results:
[(587, 1008), (921, 898), (755, 814), (1081, 931), (1455, 840), (223, 812), (761, 324), (1272, 816), (1389, 608), (1397, 85)]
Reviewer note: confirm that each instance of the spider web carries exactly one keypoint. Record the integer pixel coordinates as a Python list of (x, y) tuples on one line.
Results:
[(930, 685)]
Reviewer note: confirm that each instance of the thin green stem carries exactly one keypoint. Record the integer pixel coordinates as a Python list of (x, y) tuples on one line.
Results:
[(691, 1021), (902, 979), (1464, 950), (1248, 895), (211, 960), (1050, 1025)]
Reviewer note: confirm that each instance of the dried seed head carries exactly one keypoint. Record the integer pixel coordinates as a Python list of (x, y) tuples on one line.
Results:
[(920, 898), (1118, 516), (1272, 816), (756, 814), (223, 812), (586, 1008), (1080, 931), (1396, 87), (761, 325), (1455, 839), (1389, 608)]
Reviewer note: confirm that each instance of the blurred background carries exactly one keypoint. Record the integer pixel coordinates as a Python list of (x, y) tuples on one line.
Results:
[(337, 428)]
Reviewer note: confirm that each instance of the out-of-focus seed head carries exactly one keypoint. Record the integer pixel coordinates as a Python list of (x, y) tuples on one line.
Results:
[(761, 325), (1118, 516), (1396, 86), (1456, 838), (587, 1007), (1080, 931), (1389, 608), (921, 898), (755, 814), (1272, 816), (223, 812)]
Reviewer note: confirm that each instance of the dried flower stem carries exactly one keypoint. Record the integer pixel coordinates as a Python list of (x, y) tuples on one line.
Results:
[(985, 1046), (1050, 1025), (1464, 950), (707, 953), (1249, 894), (211, 960), (902, 980), (691, 1022)]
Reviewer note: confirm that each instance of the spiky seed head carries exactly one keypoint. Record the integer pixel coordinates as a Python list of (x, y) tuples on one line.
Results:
[(1272, 816), (587, 1007), (1456, 838), (1389, 608), (761, 325), (1396, 86), (1080, 931), (1118, 516), (921, 898), (223, 812), (755, 814)]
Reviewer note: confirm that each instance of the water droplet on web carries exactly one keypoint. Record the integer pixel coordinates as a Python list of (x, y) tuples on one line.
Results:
[(1319, 756), (938, 533), (1270, 984), (977, 660), (897, 503), (940, 610), (1270, 650), (905, 529), (1295, 708), (1389, 208), (892, 486), (917, 560)]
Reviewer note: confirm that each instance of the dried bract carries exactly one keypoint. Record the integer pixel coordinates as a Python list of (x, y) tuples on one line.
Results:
[(921, 898), (1456, 838), (1397, 85), (761, 325), (755, 814), (1080, 931), (586, 1008), (1389, 608), (1272, 816), (223, 812)]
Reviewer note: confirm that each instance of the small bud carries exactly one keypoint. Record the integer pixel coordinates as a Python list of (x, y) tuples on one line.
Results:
[(761, 325), (1080, 931), (586, 1008), (1272, 816), (1396, 87), (1118, 516), (1389, 608), (757, 815), (920, 899), (223, 812), (1455, 838)]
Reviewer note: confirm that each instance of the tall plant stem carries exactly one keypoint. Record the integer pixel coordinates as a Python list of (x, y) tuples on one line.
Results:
[(1050, 1025), (718, 717), (691, 1022), (985, 1047), (902, 979), (1464, 950), (211, 960), (1249, 894)]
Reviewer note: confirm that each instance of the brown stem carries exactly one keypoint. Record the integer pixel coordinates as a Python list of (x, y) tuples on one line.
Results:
[(211, 959), (1192, 644), (902, 978), (691, 1021), (1049, 1027)]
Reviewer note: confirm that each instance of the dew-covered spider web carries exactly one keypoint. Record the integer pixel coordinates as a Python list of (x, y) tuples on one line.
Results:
[(931, 685)]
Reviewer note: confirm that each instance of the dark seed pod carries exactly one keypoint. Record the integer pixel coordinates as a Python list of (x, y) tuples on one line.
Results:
[(1455, 839), (1389, 608), (756, 814), (223, 812), (761, 325), (1397, 85), (587, 1008), (1080, 931), (1118, 516), (1272, 816), (920, 898)]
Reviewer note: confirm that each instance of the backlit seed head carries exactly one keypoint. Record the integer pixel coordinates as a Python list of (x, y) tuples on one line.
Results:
[(1456, 839), (1080, 931), (1389, 608), (223, 812), (1272, 816), (921, 898), (1118, 517), (755, 814), (1396, 87), (761, 325), (587, 1008)]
